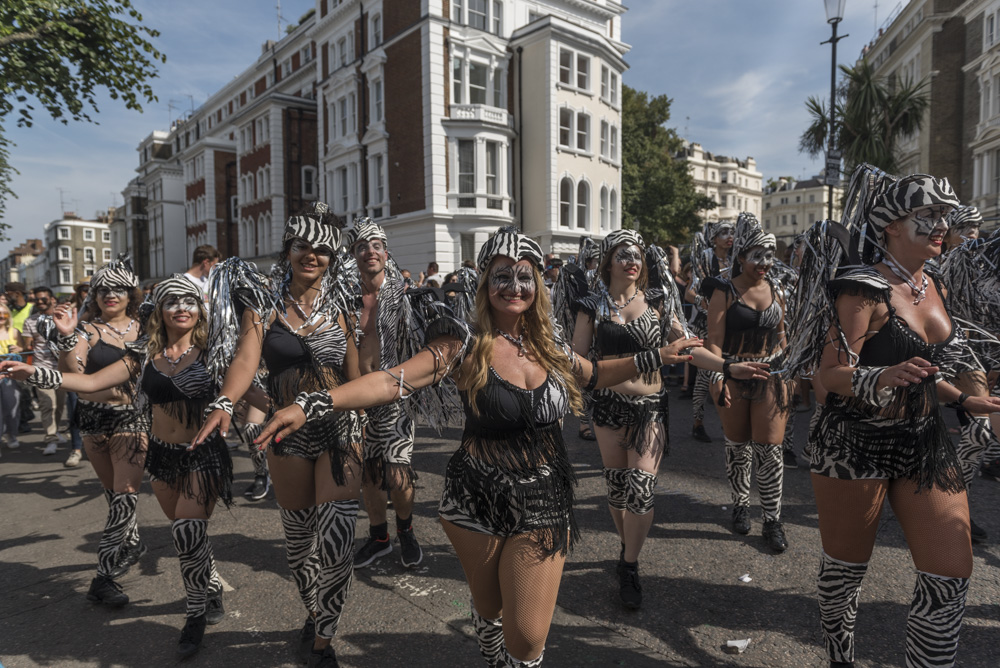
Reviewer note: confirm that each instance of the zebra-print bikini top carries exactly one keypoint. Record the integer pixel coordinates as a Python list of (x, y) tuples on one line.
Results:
[(506, 407), (192, 383), (749, 330), (615, 338), (283, 349)]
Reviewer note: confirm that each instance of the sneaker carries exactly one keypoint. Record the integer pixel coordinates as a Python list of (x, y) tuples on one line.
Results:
[(372, 549), (306, 638), (699, 434), (410, 553), (325, 659), (13, 443), (107, 591), (214, 610), (741, 519), (790, 461), (74, 459), (191, 636), (128, 556), (978, 533), (774, 534), (50, 449), (629, 588), (259, 488)]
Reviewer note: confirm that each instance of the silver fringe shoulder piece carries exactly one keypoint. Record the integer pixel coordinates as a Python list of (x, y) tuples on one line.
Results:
[(662, 286)]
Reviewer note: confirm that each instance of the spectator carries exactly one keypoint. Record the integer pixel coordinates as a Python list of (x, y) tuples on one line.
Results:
[(10, 342), (202, 261), (80, 295), (407, 281), (18, 304), (432, 270), (51, 402)]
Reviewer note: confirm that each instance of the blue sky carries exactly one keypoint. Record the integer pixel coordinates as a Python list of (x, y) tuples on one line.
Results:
[(738, 72)]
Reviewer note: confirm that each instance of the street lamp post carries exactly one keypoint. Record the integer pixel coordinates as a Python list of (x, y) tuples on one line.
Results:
[(834, 15)]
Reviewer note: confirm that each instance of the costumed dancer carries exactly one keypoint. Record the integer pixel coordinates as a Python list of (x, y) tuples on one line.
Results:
[(706, 263), (114, 430), (296, 328), (507, 506), (187, 481), (631, 417), (881, 433), (380, 326), (746, 323)]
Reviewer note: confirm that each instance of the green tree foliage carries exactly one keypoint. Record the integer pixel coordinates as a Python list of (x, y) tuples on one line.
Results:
[(872, 115), (57, 54), (658, 195)]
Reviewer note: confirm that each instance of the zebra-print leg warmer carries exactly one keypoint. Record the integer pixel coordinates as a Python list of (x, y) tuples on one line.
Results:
[(839, 585), (489, 633), (617, 481), (935, 620), (698, 395), (257, 457), (972, 445), (639, 499), (195, 555), (121, 516), (337, 520), (507, 661), (788, 440), (770, 477), (302, 552), (739, 459)]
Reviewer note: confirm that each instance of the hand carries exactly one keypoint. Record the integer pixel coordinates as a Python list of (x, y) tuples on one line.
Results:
[(720, 394), (749, 370), (16, 370), (670, 354), (982, 405), (65, 319), (217, 419), (286, 421), (913, 370), (12, 348)]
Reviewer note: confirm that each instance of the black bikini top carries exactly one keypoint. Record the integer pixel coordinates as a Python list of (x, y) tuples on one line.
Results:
[(895, 342), (282, 349), (747, 329), (506, 407), (615, 338), (102, 354), (192, 383)]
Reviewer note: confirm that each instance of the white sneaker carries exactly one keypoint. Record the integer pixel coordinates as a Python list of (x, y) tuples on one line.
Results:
[(50, 449), (73, 459), (13, 444)]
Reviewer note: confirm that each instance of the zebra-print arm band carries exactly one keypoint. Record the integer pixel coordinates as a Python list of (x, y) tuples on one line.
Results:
[(316, 405), (864, 383), (221, 403), (45, 379), (715, 377), (648, 361), (66, 343)]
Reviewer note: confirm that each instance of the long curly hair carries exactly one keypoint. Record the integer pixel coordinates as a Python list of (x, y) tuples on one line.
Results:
[(158, 332), (539, 338), (132, 310)]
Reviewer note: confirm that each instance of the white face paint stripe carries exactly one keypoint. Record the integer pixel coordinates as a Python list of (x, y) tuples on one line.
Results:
[(629, 254), (520, 280)]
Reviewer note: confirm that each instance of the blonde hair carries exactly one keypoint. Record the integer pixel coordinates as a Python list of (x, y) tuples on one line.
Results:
[(604, 269), (158, 332), (539, 337)]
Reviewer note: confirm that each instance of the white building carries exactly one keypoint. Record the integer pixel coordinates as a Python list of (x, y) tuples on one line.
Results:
[(793, 206), (161, 178), (74, 250), (735, 185)]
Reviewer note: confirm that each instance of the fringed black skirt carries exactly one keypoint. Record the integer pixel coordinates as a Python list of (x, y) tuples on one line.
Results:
[(339, 435), (634, 414), (760, 390), (100, 422), (204, 474)]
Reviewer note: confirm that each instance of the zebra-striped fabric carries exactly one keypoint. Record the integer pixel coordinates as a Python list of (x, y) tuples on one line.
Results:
[(507, 661), (302, 553), (618, 237), (617, 482), (839, 585), (935, 620), (917, 191), (975, 439), (45, 379), (389, 440), (964, 218), (810, 439), (864, 384), (117, 273), (489, 633), (195, 555), (121, 518), (509, 242), (739, 460), (770, 477), (701, 383), (258, 457), (639, 495), (337, 520)]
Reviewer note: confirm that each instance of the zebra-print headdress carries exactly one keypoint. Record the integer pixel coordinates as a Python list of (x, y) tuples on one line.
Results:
[(117, 273), (712, 229), (316, 227), (964, 218), (365, 229), (509, 242), (175, 286), (621, 237), (909, 194), (749, 233)]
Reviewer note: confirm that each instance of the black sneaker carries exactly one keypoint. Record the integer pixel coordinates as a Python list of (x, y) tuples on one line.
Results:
[(306, 638), (774, 534), (699, 434), (978, 533), (372, 549), (325, 659), (214, 610), (128, 556), (790, 461), (259, 488), (410, 553), (191, 636), (741, 519), (629, 588), (107, 591)]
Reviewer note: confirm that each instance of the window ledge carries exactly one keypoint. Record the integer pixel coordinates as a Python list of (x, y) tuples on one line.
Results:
[(574, 89)]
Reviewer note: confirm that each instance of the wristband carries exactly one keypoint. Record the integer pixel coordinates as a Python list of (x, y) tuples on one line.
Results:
[(962, 398), (66, 343), (221, 403), (864, 383), (726, 375), (647, 361), (592, 383), (45, 379), (316, 405)]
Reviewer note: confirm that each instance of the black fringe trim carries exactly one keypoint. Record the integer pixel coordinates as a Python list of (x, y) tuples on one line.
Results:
[(634, 414), (125, 423), (748, 341), (209, 464), (188, 412)]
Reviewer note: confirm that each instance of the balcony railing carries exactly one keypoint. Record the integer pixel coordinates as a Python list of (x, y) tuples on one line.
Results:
[(481, 113)]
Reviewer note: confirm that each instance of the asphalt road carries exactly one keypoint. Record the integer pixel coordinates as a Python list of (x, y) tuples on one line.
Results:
[(690, 567)]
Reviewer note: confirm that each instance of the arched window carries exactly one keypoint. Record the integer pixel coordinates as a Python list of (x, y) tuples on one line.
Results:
[(565, 201), (583, 205), (613, 211), (604, 208)]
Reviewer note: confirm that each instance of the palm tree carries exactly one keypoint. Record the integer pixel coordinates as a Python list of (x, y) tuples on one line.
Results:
[(873, 115)]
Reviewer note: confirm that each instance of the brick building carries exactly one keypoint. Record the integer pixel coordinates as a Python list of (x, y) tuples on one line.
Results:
[(22, 254)]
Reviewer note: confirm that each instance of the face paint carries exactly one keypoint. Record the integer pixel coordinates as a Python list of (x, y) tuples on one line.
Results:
[(302, 247), (725, 233), (173, 304), (513, 280), (114, 291), (760, 256), (363, 248), (629, 255), (925, 222)]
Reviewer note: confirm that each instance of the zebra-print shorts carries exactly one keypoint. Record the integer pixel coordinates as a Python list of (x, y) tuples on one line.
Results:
[(515, 509), (389, 434), (98, 419)]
